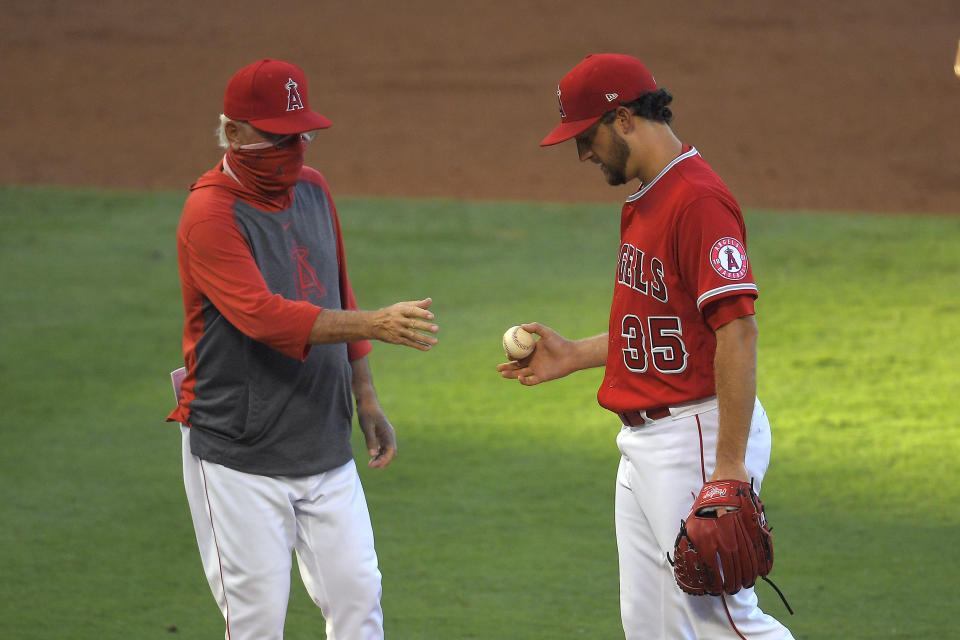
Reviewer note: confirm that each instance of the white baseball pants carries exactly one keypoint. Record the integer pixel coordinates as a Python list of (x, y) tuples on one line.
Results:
[(247, 527), (663, 465)]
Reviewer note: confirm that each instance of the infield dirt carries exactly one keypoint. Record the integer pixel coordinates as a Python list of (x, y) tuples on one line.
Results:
[(811, 105)]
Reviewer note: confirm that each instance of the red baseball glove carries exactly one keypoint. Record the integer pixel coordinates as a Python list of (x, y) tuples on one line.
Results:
[(725, 543)]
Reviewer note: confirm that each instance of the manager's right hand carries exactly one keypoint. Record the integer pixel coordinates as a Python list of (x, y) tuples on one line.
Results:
[(407, 323)]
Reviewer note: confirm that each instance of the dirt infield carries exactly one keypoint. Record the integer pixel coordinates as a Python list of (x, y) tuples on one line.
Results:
[(815, 105)]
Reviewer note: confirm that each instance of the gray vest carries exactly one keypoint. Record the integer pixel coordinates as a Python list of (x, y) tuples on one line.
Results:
[(256, 409)]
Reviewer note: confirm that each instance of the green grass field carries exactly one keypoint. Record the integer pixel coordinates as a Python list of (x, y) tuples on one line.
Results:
[(496, 520)]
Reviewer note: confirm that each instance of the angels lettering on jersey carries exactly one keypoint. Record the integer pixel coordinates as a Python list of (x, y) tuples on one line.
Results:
[(641, 273), (666, 349)]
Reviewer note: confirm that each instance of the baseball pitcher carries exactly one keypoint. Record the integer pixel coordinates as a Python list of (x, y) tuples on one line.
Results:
[(680, 367)]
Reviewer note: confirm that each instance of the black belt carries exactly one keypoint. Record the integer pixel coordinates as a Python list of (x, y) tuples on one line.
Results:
[(640, 418)]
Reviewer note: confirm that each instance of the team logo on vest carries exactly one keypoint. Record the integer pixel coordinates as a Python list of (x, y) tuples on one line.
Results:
[(308, 285), (563, 114), (729, 258), (293, 96)]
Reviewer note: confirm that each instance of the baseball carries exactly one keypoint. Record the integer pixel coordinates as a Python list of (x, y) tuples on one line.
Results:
[(518, 343)]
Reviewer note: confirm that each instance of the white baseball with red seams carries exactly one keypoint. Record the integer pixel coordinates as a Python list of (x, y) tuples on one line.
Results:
[(518, 343)]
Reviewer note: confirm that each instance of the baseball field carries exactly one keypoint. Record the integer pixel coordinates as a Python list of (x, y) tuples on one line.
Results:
[(496, 520), (833, 123)]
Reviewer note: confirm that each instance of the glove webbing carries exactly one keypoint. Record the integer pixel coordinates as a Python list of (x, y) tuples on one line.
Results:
[(783, 598)]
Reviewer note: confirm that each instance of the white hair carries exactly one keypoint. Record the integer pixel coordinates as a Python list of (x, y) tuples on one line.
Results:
[(221, 133)]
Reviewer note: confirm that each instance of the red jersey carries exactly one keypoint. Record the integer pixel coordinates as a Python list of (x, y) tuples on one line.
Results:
[(682, 273)]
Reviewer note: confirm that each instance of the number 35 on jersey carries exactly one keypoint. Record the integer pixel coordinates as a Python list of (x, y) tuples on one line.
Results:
[(657, 340)]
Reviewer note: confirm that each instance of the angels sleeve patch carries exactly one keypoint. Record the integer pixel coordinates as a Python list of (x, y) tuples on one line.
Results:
[(729, 258)]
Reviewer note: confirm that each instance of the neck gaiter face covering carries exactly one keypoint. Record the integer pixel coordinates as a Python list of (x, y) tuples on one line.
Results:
[(264, 168)]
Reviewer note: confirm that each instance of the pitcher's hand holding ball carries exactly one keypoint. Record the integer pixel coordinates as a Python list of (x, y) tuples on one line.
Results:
[(548, 359), (518, 343)]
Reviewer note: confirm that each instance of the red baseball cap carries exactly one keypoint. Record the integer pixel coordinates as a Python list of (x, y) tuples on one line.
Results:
[(600, 83), (272, 96)]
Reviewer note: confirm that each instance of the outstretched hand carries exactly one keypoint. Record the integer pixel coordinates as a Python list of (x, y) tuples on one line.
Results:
[(407, 323), (550, 359)]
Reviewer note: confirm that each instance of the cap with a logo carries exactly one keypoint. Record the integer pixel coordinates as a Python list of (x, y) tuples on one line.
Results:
[(600, 83), (272, 96)]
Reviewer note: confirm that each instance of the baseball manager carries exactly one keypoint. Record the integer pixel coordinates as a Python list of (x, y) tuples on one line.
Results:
[(275, 354)]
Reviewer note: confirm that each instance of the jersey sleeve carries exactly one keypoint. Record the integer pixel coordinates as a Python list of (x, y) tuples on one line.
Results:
[(223, 269), (723, 310), (712, 253)]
